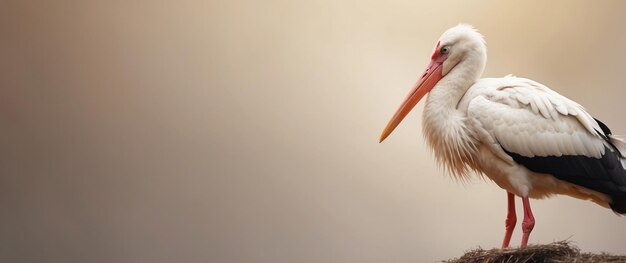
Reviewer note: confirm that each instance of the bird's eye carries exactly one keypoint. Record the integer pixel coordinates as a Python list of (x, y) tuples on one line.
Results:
[(445, 50)]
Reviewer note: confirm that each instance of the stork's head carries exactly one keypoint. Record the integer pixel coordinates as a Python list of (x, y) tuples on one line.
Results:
[(457, 44)]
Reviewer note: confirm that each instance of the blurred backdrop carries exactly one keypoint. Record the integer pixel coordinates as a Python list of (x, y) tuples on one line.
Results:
[(247, 131)]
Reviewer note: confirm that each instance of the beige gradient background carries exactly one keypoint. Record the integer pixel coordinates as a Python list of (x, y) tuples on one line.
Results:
[(246, 131)]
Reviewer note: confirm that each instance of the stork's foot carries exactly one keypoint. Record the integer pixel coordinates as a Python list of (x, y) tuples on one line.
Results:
[(529, 222), (510, 221)]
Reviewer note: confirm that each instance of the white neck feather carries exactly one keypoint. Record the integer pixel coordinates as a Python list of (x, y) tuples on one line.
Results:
[(444, 126)]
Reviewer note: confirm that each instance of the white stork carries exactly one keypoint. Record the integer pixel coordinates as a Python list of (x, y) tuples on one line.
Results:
[(528, 139)]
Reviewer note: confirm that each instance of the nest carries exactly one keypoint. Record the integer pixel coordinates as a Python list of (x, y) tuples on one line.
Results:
[(557, 252)]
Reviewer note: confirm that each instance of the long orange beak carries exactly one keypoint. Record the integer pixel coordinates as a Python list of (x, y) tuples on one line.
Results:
[(431, 76)]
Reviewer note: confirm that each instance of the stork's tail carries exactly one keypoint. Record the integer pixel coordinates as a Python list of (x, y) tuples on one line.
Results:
[(620, 144), (618, 203), (618, 196)]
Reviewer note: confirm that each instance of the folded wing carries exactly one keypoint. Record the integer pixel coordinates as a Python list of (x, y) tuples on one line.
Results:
[(530, 124)]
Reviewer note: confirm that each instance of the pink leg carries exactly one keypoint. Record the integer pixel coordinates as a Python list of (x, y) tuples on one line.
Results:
[(528, 223), (511, 219)]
